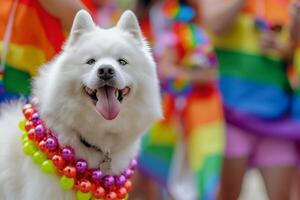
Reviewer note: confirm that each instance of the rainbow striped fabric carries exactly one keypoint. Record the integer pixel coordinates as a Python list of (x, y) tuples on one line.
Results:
[(199, 124), (35, 38), (255, 86)]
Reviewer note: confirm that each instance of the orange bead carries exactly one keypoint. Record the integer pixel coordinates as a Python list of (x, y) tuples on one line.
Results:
[(58, 161), (99, 192), (42, 146), (128, 185), (31, 133), (70, 172), (28, 125), (28, 113), (122, 192), (111, 196), (26, 107), (85, 186)]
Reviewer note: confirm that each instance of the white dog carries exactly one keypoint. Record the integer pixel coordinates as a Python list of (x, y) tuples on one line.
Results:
[(101, 92)]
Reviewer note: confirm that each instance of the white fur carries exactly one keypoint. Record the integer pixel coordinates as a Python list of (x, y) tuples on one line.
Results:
[(69, 112)]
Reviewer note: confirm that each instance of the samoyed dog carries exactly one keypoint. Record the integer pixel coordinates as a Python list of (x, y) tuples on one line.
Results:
[(99, 95)]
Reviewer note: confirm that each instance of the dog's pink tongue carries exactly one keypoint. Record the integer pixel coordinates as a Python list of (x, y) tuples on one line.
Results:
[(108, 104)]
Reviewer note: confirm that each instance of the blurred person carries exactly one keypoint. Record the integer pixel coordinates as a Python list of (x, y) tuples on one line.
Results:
[(31, 33), (184, 151), (251, 39)]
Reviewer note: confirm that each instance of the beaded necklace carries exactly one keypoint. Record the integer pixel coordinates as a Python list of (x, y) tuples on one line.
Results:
[(41, 144)]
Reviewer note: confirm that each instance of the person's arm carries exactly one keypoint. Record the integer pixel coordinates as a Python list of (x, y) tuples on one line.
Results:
[(219, 15), (295, 22), (64, 10)]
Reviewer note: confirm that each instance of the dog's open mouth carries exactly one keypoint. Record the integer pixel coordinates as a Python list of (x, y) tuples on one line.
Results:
[(107, 100)]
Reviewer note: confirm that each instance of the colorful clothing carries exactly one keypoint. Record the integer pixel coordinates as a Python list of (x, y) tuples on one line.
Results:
[(255, 86), (36, 37), (194, 118)]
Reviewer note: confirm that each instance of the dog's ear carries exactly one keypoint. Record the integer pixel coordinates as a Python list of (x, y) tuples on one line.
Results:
[(82, 23), (128, 22)]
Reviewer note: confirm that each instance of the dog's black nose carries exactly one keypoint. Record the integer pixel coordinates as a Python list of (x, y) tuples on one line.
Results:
[(106, 72)]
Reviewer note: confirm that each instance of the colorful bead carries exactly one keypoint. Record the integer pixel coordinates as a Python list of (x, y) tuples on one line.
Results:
[(25, 107), (28, 125), (108, 181), (42, 146), (128, 185), (29, 148), (70, 172), (40, 132), (51, 143), (81, 166), (111, 196), (120, 180), (66, 183), (99, 192), (22, 124), (58, 161), (83, 196), (128, 173), (31, 134), (28, 113), (39, 157), (67, 153), (48, 167), (85, 186), (133, 164), (97, 175), (122, 192)]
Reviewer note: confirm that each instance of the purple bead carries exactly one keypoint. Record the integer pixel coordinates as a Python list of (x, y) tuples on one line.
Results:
[(35, 116), (34, 101), (37, 122), (120, 180), (40, 132), (127, 173), (97, 175), (81, 166), (51, 143), (108, 181), (67, 153), (133, 164)]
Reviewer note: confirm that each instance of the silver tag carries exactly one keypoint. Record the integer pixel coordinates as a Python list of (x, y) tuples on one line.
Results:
[(106, 163)]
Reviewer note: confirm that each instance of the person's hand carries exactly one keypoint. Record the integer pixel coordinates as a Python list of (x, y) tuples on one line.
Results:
[(271, 43)]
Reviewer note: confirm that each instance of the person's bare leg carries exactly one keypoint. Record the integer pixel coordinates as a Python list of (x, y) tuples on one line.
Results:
[(296, 187), (233, 172), (278, 181)]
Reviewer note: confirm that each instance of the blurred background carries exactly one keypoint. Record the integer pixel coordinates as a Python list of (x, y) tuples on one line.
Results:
[(229, 73)]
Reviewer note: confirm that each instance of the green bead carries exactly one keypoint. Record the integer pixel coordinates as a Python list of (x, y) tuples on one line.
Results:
[(39, 157), (22, 124), (66, 183), (48, 167), (24, 135), (25, 140), (83, 196), (29, 148)]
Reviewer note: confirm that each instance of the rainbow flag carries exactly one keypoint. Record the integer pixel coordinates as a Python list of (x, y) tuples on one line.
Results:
[(256, 91), (35, 38), (199, 124)]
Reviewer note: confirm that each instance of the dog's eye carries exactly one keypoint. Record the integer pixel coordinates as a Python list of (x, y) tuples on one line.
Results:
[(90, 61), (122, 61)]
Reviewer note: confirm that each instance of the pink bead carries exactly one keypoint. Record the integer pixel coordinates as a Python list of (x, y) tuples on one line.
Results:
[(133, 164), (81, 166), (51, 143), (97, 175), (67, 153), (120, 180), (128, 173), (40, 132), (108, 181), (85, 186)]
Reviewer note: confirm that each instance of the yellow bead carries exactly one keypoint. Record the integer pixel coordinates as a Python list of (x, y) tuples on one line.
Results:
[(83, 196), (39, 157), (48, 167), (29, 148), (24, 135), (22, 124), (66, 183), (25, 139)]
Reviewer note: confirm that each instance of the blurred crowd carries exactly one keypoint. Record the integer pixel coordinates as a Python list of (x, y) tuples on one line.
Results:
[(229, 73)]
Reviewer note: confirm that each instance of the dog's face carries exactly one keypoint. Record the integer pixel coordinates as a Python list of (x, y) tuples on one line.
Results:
[(104, 84)]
